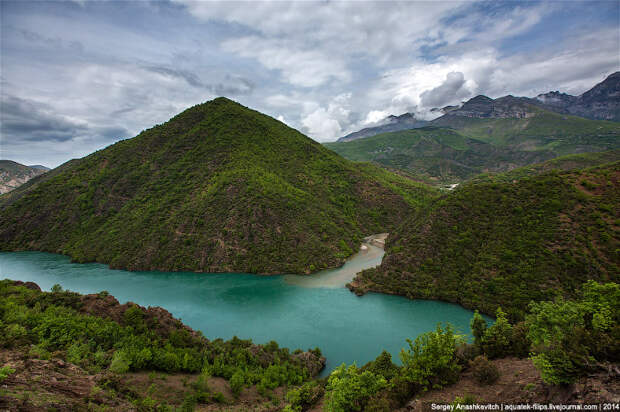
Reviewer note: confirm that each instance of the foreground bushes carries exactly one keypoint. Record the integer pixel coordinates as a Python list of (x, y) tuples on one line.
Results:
[(50, 322), (571, 337)]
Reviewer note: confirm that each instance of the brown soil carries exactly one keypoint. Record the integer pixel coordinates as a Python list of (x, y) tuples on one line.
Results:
[(42, 385), (157, 318), (520, 382)]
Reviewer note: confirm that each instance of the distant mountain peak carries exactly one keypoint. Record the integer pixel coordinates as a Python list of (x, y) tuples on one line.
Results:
[(391, 123)]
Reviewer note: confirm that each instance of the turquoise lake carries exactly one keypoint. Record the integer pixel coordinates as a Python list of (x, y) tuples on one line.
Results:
[(347, 328)]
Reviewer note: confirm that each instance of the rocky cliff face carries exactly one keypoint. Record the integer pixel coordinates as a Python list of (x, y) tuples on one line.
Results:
[(13, 174), (602, 102), (483, 107), (389, 124)]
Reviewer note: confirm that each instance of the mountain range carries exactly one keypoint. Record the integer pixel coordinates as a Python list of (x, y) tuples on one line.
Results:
[(389, 124), (218, 188), (493, 135), (602, 102)]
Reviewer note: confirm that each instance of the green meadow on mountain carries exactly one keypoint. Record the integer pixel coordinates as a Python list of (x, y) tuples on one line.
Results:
[(538, 130), (473, 140), (503, 243), (218, 188)]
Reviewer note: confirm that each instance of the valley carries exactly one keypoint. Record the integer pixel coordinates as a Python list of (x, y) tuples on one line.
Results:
[(157, 240)]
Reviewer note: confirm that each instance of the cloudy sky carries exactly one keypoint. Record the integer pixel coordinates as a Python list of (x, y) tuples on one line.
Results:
[(77, 76)]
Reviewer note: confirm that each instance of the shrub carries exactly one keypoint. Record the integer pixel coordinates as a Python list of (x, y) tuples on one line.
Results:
[(521, 343), (478, 327), (383, 366), (430, 361), (484, 371), (236, 382), (119, 363), (349, 389), (5, 371), (497, 339), (303, 397), (570, 337)]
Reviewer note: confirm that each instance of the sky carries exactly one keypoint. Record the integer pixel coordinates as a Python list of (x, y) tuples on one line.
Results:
[(77, 76)]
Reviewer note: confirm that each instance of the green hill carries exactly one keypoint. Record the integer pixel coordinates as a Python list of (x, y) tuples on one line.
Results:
[(218, 188), (569, 162), (504, 244), (540, 130), (438, 154)]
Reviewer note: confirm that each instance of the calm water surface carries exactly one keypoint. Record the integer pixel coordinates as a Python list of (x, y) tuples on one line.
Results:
[(295, 311)]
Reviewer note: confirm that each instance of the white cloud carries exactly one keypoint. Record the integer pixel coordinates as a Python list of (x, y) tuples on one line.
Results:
[(306, 68)]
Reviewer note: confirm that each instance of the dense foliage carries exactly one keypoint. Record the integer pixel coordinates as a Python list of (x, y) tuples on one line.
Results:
[(571, 337), (54, 324), (218, 188), (431, 362), (507, 243), (349, 388)]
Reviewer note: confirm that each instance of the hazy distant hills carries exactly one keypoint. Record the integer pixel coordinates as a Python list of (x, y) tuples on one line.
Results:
[(532, 235), (218, 188), (389, 124), (494, 135), (13, 174)]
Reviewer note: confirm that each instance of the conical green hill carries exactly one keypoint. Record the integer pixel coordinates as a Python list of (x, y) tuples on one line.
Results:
[(218, 188)]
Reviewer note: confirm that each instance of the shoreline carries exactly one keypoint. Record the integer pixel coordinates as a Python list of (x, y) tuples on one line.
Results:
[(369, 255)]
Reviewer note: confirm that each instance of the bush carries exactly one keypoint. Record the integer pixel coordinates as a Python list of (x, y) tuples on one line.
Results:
[(236, 383), (431, 360), (5, 371), (383, 366), (119, 364), (497, 339), (349, 389), (478, 327), (570, 337), (484, 371), (305, 396), (521, 343)]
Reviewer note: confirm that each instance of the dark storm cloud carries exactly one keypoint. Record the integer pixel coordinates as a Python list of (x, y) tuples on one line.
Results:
[(446, 92), (24, 120), (28, 120)]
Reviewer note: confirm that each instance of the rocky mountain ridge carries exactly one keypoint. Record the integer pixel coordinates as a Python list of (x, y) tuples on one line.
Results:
[(389, 124), (13, 174)]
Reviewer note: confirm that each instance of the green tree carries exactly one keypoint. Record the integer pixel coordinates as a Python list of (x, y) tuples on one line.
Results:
[(570, 337), (478, 327), (236, 382), (497, 339), (349, 389), (431, 360)]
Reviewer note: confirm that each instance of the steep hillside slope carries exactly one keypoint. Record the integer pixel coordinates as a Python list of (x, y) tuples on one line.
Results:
[(218, 188), (13, 174), (503, 244), (439, 154)]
